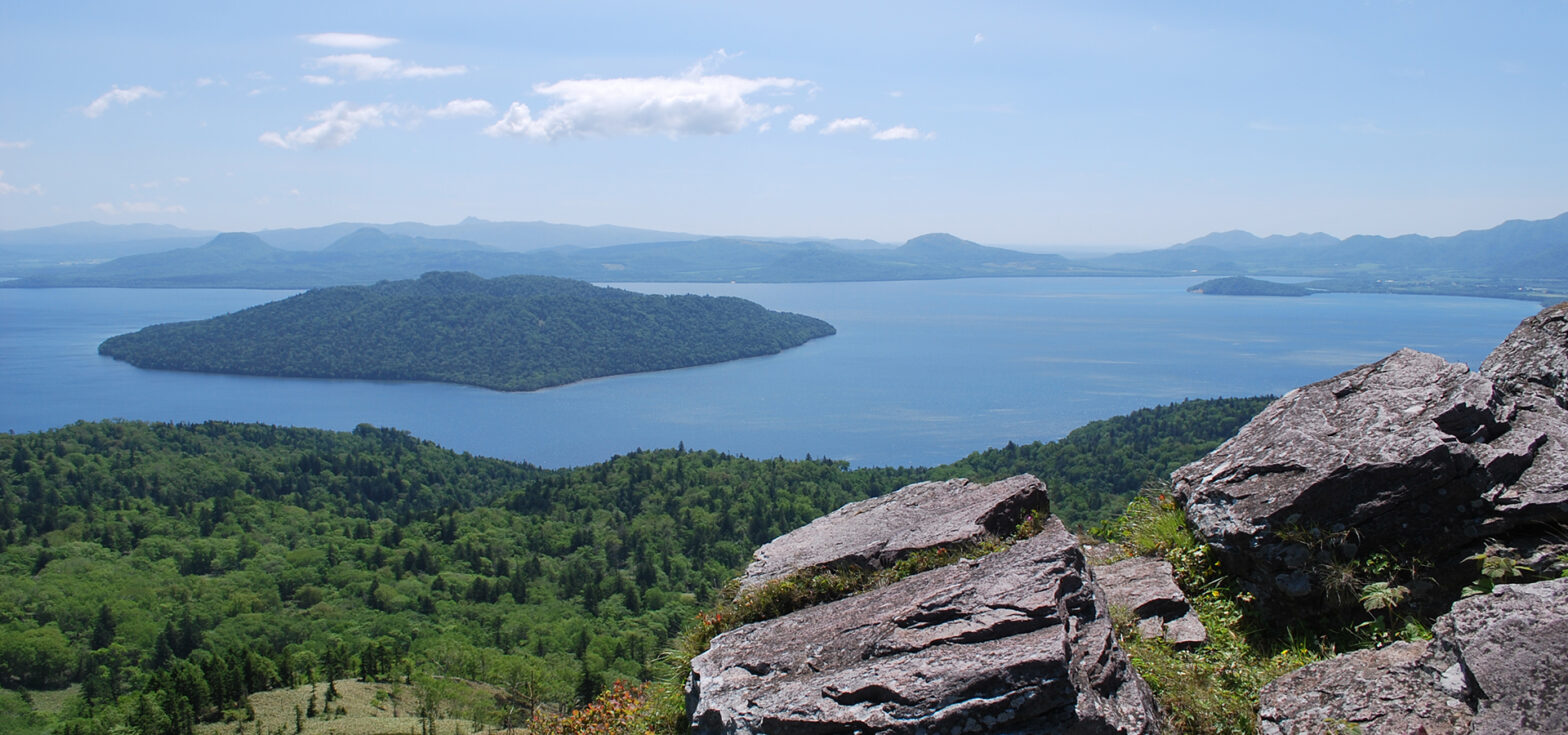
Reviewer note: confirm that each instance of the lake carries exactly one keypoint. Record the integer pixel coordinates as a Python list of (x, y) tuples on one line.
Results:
[(920, 372)]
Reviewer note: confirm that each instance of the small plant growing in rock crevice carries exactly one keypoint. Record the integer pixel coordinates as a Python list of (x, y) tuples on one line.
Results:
[(1497, 566)]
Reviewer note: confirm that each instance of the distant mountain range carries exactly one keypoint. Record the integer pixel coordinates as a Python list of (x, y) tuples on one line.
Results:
[(1532, 249), (368, 255), (1517, 259)]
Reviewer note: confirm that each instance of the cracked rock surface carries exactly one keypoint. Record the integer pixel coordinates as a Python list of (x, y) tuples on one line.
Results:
[(1494, 665), (1147, 587), (1017, 642), (1412, 453), (875, 533)]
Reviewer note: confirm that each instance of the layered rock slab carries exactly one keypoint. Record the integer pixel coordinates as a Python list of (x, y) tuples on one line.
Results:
[(1412, 452), (1147, 587), (1017, 642), (1494, 665), (875, 533)]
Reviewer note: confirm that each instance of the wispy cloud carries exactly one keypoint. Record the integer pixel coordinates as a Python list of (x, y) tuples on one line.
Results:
[(463, 108), (317, 80), (849, 125), (15, 144), (801, 122), (367, 66), (117, 96), (695, 104), (356, 41), (335, 126), (862, 126), (7, 189), (138, 208), (897, 132), (979, 38)]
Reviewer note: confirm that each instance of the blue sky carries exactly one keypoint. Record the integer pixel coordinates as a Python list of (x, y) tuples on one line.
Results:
[(1022, 123)]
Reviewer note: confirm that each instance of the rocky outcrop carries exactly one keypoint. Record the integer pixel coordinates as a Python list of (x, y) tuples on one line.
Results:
[(875, 533), (1016, 642), (1386, 690), (1494, 666), (1412, 454), (1147, 588)]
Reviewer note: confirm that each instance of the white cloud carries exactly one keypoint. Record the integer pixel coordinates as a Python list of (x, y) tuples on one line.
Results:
[(463, 108), (138, 208), (765, 127), (849, 125), (118, 96), (895, 94), (204, 81), (979, 38), (356, 41), (182, 179), (6, 188), (316, 79), (416, 71), (690, 105), (335, 126), (17, 144), (367, 66), (259, 76), (800, 122), (897, 132), (710, 63)]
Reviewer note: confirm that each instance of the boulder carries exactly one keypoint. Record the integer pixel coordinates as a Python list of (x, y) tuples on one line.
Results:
[(1385, 691), (1016, 642), (1493, 666), (1412, 453), (1507, 648), (1147, 588), (875, 533)]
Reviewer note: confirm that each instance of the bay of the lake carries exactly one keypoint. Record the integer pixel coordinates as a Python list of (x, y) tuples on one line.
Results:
[(920, 372)]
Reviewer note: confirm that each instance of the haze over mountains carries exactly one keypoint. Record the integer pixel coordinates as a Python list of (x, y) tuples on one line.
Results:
[(1517, 258)]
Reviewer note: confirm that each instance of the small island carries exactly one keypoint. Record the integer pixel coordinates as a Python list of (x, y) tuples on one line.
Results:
[(1244, 286), (515, 333)]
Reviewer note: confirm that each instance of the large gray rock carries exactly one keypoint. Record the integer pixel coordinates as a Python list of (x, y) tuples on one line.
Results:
[(1147, 588), (1016, 642), (1412, 453), (1494, 666), (875, 533), (1509, 648), (1386, 691)]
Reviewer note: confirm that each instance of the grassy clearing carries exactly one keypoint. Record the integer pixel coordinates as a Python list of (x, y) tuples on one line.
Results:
[(360, 708), (1213, 689), (51, 701)]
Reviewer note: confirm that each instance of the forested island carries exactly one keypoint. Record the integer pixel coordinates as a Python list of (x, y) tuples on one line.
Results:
[(212, 577), (512, 333), (1244, 286)]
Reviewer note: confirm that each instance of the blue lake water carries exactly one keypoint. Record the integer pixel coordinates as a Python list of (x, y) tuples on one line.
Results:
[(920, 372)]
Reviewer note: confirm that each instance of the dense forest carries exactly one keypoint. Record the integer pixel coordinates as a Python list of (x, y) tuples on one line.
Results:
[(167, 572), (513, 333)]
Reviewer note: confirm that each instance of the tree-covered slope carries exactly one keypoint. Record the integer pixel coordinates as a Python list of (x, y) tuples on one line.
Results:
[(171, 570), (1097, 468), (513, 333)]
